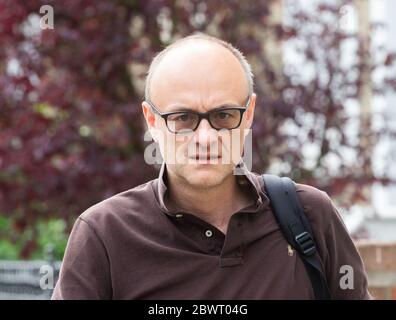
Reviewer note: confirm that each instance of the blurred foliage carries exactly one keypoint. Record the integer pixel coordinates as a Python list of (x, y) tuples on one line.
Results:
[(19, 245), (71, 129)]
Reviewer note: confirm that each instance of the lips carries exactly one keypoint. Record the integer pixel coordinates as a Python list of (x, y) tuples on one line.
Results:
[(203, 157)]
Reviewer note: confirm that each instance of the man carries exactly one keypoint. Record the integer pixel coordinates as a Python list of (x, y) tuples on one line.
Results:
[(200, 231)]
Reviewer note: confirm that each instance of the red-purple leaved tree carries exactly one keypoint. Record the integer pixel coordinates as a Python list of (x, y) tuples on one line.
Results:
[(71, 129)]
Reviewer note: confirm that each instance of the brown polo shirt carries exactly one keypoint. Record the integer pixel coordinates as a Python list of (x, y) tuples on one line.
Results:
[(136, 245)]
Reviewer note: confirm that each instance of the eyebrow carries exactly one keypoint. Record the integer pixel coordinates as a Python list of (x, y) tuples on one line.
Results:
[(219, 107)]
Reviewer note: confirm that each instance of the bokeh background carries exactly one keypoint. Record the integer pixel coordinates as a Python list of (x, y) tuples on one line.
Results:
[(71, 127)]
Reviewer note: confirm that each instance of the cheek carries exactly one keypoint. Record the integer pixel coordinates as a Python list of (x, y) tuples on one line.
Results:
[(164, 140), (158, 132), (158, 135), (233, 143), (174, 148)]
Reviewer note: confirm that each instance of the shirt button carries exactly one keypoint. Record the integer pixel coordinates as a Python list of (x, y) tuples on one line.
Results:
[(208, 233)]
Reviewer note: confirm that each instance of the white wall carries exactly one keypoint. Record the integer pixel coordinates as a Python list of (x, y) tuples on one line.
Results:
[(384, 198)]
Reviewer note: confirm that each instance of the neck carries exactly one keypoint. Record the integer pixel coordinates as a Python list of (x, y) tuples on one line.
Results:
[(214, 205)]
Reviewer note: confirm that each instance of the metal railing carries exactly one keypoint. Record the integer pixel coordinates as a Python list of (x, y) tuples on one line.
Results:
[(29, 279)]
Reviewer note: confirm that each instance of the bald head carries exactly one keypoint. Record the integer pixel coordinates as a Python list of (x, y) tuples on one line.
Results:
[(197, 56)]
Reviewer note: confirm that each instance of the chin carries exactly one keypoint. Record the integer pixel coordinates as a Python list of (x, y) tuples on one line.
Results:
[(205, 176)]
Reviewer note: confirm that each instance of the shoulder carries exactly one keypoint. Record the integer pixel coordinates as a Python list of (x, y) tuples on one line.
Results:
[(312, 197), (123, 207), (317, 205)]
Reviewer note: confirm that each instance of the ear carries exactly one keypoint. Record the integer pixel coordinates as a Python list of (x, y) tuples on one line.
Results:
[(250, 111), (149, 116)]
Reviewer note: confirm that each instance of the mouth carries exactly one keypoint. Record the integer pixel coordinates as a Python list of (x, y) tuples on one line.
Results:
[(204, 157)]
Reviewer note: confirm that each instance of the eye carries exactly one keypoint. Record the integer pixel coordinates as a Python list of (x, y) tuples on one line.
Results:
[(224, 115), (183, 117)]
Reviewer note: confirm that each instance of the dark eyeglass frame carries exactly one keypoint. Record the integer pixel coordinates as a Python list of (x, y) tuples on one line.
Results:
[(201, 115)]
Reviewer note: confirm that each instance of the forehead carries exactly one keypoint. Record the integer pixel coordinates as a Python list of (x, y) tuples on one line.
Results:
[(198, 73)]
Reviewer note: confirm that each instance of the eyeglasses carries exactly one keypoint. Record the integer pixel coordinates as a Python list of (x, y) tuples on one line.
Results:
[(187, 121)]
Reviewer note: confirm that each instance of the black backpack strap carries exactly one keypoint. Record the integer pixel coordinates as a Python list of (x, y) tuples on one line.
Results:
[(296, 229)]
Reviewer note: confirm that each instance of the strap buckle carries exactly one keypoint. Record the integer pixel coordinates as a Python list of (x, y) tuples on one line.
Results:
[(305, 243)]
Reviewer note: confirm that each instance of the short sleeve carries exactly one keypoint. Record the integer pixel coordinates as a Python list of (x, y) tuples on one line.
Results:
[(85, 270), (345, 271)]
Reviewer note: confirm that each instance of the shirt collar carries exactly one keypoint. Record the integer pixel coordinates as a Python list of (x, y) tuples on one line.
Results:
[(247, 179)]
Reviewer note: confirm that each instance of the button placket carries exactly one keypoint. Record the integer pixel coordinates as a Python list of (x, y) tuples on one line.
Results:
[(233, 250)]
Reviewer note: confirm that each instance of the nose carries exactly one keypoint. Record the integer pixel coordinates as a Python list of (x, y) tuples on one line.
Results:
[(205, 135)]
